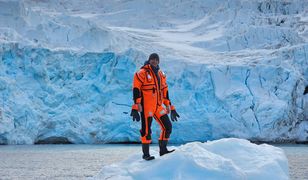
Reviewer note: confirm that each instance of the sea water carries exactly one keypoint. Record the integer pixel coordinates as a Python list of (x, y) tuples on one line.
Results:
[(82, 161), (297, 155)]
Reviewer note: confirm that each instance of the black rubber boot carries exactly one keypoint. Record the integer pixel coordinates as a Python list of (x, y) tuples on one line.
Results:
[(163, 147), (146, 152)]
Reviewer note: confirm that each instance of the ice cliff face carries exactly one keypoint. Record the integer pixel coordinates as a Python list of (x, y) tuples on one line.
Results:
[(234, 68)]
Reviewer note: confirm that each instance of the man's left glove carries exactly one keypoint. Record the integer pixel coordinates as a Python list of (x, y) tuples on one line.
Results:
[(134, 113), (174, 114)]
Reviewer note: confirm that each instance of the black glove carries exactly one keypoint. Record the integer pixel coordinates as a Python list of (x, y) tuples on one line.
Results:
[(174, 115), (135, 114)]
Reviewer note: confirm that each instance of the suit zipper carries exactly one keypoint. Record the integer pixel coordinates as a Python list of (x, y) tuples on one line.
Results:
[(156, 85)]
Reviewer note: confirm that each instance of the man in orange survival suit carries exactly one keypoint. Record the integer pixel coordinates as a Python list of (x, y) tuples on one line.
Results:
[(150, 92)]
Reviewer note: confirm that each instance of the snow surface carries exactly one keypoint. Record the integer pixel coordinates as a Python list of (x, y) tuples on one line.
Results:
[(221, 159), (235, 68)]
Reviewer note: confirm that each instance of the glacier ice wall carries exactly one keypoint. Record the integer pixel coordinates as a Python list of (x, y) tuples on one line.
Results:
[(86, 98), (80, 98), (235, 69)]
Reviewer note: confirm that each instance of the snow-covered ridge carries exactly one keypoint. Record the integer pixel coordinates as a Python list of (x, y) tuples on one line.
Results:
[(197, 25), (234, 68)]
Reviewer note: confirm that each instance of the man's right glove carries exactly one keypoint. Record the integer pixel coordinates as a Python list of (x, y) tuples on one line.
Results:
[(134, 113), (174, 114)]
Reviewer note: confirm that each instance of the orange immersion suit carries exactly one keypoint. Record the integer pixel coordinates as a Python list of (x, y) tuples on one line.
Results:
[(151, 91)]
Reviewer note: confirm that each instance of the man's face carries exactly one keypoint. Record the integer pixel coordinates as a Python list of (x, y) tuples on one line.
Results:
[(154, 62)]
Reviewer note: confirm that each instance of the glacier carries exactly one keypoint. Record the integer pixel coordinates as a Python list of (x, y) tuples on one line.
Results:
[(234, 68)]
